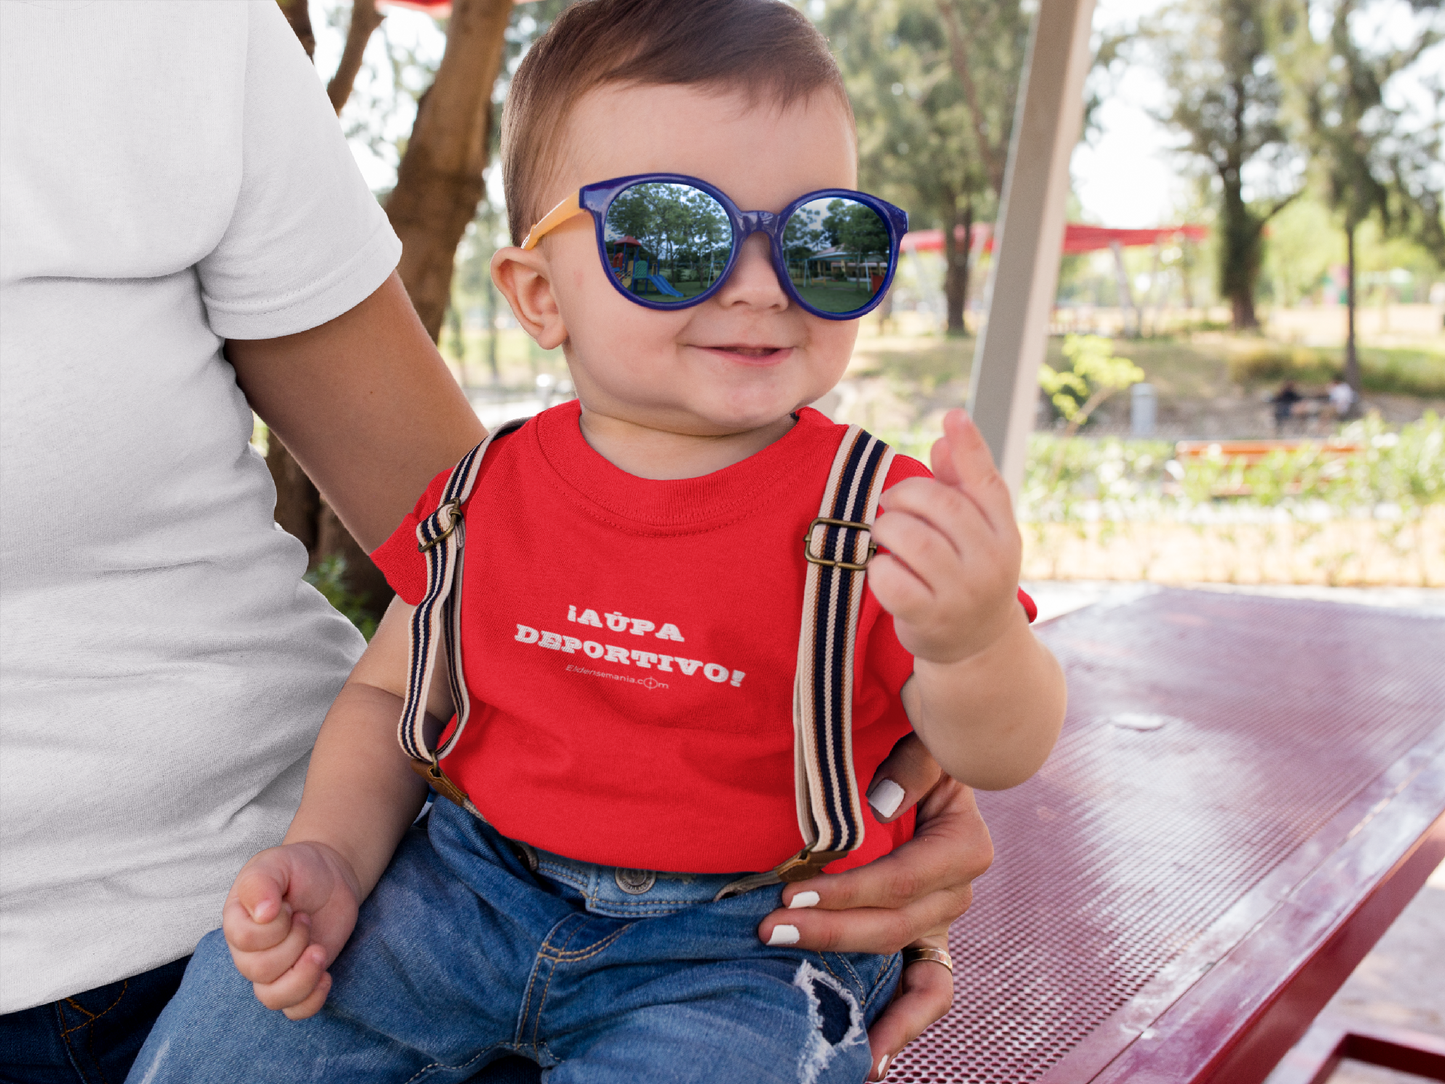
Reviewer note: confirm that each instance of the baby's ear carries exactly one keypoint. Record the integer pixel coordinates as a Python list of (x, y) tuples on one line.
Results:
[(525, 279)]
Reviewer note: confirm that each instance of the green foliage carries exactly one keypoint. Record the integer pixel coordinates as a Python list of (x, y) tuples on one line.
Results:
[(1095, 372), (1226, 98), (1070, 479), (934, 102), (856, 227), (329, 577), (1373, 157)]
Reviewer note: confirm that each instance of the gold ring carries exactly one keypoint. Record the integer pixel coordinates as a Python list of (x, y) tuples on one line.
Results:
[(937, 955)]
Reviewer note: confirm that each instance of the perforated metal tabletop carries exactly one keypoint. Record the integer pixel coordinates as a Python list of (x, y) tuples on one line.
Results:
[(1246, 792)]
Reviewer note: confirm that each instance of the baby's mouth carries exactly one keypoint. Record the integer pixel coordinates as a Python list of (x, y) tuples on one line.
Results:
[(750, 351)]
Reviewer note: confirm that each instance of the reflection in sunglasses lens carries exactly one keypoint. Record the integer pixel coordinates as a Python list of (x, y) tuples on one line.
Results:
[(837, 253), (665, 242)]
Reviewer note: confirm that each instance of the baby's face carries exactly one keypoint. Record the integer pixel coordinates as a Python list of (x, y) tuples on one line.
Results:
[(746, 357)]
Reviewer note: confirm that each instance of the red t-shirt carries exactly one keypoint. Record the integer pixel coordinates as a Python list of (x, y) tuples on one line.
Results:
[(629, 647)]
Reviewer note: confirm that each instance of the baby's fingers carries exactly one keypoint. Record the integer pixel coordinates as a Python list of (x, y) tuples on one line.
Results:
[(297, 988), (256, 916), (270, 964), (312, 1005)]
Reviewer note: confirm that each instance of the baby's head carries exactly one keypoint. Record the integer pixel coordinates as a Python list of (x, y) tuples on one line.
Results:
[(744, 96)]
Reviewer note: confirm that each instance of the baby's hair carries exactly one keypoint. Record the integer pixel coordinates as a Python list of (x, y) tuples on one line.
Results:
[(764, 49)]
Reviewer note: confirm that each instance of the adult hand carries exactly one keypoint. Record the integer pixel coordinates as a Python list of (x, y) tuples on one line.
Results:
[(908, 897), (286, 919)]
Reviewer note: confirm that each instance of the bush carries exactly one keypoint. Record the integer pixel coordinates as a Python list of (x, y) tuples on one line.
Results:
[(329, 577), (1391, 370), (1126, 509)]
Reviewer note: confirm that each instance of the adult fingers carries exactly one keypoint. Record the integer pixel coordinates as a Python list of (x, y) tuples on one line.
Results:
[(925, 993), (950, 847), (864, 929), (905, 776), (297, 985)]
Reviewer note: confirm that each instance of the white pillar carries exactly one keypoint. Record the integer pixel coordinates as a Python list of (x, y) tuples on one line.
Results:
[(1029, 237)]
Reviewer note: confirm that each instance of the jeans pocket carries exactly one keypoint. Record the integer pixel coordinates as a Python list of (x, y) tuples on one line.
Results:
[(873, 976)]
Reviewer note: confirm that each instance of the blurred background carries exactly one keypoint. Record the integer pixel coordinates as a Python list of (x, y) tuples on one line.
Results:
[(1255, 213)]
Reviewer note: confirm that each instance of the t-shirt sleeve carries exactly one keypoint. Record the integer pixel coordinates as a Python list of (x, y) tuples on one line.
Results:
[(307, 241), (399, 558)]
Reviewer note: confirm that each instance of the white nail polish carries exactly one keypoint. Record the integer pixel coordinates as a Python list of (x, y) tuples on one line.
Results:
[(784, 935), (883, 1066), (803, 899), (885, 797)]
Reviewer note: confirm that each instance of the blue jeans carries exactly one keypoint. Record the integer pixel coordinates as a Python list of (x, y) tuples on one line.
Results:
[(464, 955), (87, 1038)]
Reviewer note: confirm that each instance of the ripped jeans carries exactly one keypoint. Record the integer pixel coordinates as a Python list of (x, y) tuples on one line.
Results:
[(463, 955)]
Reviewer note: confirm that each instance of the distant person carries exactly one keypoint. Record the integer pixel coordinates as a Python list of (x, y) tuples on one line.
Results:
[(1284, 402), (540, 911), (1342, 397)]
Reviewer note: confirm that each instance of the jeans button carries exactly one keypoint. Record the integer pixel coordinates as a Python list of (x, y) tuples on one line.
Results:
[(635, 881)]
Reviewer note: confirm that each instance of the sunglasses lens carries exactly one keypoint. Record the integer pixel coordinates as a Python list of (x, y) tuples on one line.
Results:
[(666, 243), (837, 251)]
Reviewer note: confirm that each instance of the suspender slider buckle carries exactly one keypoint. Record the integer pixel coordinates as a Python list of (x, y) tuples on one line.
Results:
[(837, 562), (453, 516)]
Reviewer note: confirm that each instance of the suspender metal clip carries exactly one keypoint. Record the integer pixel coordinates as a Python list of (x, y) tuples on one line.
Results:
[(453, 510), (807, 864), (832, 562)]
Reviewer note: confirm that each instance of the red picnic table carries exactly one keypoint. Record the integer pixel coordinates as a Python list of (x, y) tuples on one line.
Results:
[(1247, 792)]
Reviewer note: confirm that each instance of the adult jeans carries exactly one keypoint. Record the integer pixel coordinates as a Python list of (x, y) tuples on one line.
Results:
[(88, 1038), (464, 955)]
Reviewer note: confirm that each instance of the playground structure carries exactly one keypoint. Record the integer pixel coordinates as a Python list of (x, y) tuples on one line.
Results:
[(630, 264), (1081, 238)]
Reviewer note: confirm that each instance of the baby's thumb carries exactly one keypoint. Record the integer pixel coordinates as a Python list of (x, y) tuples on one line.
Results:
[(260, 890)]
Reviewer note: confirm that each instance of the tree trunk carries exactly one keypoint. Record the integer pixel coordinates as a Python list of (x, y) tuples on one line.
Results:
[(966, 271), (298, 504), (298, 14), (1352, 359), (439, 181), (1239, 254), (364, 20), (955, 277)]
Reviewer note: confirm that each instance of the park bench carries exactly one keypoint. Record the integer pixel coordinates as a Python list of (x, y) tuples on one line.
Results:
[(1249, 453), (1248, 790)]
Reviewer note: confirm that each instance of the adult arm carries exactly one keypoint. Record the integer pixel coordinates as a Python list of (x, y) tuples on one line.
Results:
[(365, 404)]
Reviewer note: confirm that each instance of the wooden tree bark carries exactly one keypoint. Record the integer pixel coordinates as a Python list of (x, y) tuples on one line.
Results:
[(298, 14), (439, 181), (364, 21), (439, 185), (1352, 356)]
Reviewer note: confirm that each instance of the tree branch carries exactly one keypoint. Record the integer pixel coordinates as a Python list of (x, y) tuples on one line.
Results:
[(364, 20), (958, 55), (298, 14), (439, 181)]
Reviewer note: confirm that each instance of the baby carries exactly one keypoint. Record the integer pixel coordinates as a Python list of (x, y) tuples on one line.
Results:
[(646, 613)]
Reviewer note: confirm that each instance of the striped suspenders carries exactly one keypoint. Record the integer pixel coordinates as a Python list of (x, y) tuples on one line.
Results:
[(837, 547), (442, 537)]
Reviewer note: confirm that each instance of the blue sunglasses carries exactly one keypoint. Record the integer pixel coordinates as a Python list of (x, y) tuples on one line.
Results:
[(668, 241)]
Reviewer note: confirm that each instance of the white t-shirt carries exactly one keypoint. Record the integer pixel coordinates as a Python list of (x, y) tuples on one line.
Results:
[(171, 175)]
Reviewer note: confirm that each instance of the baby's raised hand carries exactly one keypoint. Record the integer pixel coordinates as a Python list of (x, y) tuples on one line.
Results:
[(951, 574), (287, 917)]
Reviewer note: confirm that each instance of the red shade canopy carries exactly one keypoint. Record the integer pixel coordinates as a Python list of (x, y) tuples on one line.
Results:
[(1077, 237)]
